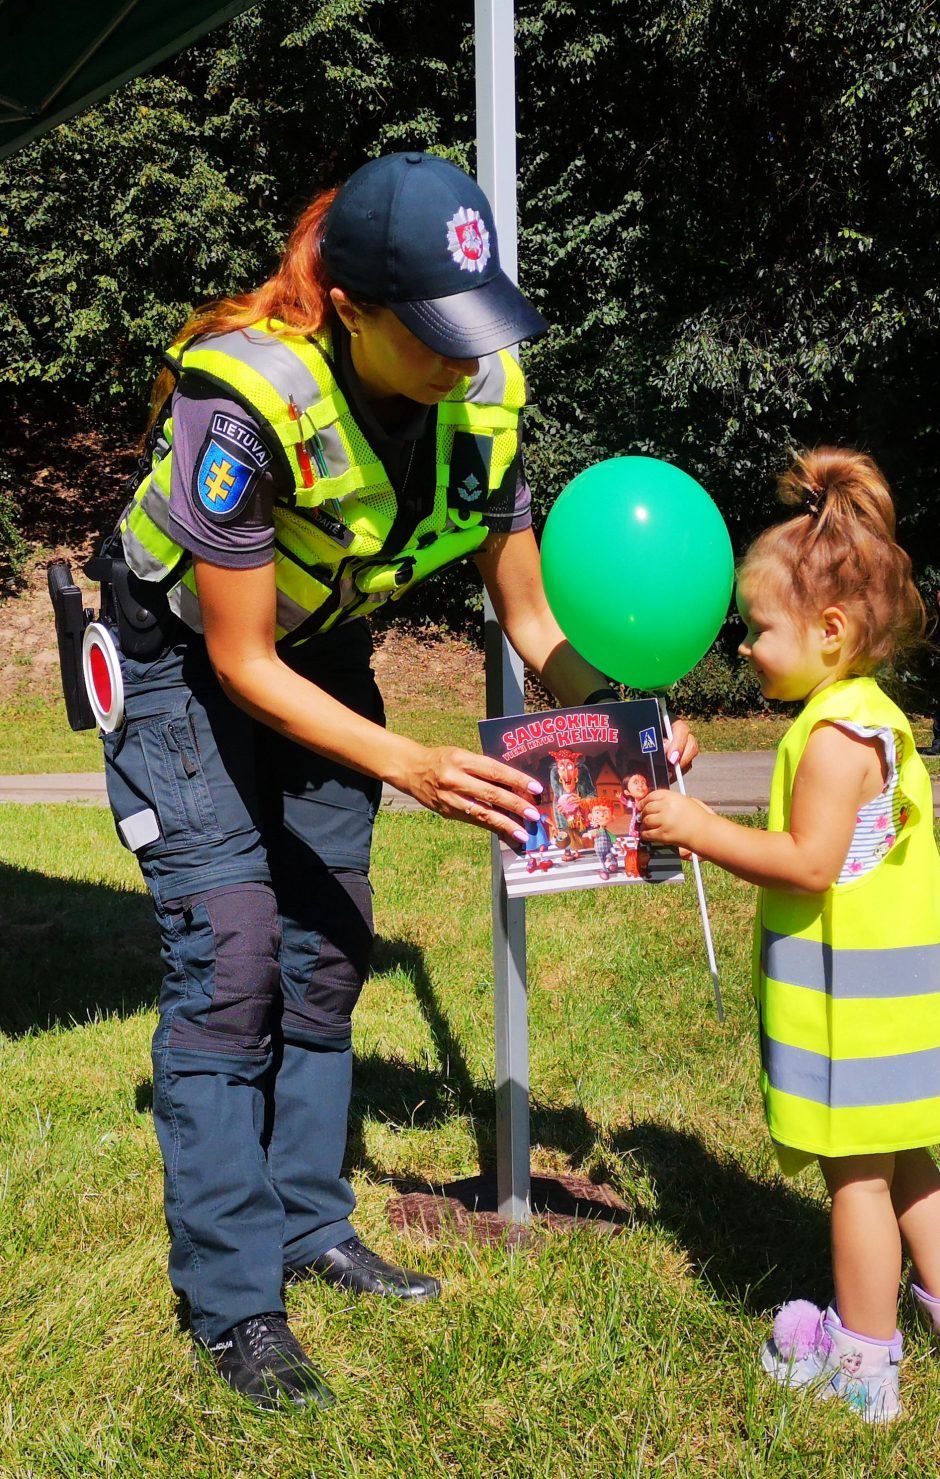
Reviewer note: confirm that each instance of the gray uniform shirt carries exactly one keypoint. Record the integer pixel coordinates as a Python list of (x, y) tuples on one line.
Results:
[(225, 479)]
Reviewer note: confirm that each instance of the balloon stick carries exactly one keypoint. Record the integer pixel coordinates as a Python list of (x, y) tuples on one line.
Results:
[(699, 886)]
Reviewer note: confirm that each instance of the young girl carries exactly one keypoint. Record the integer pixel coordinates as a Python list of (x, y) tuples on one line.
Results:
[(847, 954)]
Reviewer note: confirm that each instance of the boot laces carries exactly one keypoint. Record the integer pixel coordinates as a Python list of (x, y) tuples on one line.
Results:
[(356, 1249), (268, 1335)]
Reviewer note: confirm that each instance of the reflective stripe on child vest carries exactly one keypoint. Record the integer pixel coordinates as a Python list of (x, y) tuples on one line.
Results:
[(331, 554), (848, 981)]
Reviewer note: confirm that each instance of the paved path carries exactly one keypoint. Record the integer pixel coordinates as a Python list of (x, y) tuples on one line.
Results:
[(734, 782), (88, 788)]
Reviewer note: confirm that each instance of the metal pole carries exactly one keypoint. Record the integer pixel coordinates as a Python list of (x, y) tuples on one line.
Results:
[(699, 885), (496, 172)]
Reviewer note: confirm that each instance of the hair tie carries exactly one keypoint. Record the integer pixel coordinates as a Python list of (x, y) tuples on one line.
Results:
[(813, 501)]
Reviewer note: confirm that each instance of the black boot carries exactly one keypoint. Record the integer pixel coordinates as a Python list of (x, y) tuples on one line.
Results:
[(260, 1358), (353, 1266)]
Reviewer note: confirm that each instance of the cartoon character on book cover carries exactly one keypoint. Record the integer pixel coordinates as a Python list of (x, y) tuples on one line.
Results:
[(571, 783), (595, 766)]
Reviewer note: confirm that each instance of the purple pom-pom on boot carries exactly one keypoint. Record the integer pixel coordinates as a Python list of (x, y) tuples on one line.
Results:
[(796, 1353)]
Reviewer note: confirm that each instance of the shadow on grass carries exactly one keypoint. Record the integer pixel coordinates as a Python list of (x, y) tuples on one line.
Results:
[(753, 1241), (71, 951), (403, 1093), (408, 1094)]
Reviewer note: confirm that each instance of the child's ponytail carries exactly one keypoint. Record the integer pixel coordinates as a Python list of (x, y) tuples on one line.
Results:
[(834, 484)]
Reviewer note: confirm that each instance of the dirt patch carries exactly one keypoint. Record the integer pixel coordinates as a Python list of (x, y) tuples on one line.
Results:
[(29, 658), (74, 485), (72, 477), (72, 481), (406, 664), (418, 668)]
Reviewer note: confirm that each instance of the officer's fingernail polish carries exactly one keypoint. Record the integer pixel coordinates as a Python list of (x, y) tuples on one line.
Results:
[(536, 788), (520, 836), (531, 814), (674, 758)]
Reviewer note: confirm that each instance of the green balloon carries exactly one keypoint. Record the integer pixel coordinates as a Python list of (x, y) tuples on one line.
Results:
[(638, 569)]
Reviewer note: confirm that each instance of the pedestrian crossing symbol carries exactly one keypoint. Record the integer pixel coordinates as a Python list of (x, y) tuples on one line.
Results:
[(648, 741)]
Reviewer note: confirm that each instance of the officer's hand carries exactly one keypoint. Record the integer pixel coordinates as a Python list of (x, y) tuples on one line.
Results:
[(473, 788), (684, 744)]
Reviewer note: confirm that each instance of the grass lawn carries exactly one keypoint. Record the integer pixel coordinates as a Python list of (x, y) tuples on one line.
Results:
[(581, 1355), (35, 738)]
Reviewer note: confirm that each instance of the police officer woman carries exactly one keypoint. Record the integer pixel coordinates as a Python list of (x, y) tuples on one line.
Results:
[(333, 437)]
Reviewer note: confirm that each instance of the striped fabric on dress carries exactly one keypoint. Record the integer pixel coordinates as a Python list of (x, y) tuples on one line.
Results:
[(879, 821)]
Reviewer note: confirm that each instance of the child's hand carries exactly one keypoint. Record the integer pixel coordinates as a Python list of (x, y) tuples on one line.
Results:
[(670, 819)]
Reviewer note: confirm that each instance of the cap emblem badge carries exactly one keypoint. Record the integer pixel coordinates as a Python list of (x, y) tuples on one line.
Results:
[(468, 240)]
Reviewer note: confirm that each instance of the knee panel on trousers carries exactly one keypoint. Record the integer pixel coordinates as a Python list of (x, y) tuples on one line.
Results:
[(227, 947), (327, 947)]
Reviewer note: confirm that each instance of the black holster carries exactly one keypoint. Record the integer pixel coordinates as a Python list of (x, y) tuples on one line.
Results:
[(137, 609), (71, 619)]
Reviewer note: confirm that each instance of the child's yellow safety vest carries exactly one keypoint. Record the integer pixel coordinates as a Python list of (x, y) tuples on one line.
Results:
[(848, 981)]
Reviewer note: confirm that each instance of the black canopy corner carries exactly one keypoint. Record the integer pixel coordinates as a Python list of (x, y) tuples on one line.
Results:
[(58, 56)]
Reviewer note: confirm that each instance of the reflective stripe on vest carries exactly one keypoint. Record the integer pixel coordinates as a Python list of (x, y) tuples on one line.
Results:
[(331, 559), (848, 982)]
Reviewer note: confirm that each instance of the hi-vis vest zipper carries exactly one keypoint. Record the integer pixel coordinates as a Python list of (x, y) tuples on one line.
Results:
[(848, 982), (333, 554)]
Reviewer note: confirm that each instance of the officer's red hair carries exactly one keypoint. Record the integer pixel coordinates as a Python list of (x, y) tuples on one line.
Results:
[(297, 293)]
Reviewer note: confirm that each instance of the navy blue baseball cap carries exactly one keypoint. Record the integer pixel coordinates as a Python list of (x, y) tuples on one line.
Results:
[(416, 234)]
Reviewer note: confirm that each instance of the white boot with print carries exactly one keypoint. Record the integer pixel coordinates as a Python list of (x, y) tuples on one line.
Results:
[(862, 1372)]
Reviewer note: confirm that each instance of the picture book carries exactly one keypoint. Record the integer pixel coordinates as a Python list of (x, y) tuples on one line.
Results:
[(596, 765)]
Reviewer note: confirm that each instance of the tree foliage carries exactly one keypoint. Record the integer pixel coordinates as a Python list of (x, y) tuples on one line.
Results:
[(182, 185), (740, 211), (729, 212)]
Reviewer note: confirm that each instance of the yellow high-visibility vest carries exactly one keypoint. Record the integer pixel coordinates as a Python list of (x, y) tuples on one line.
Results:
[(337, 553), (848, 981)]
